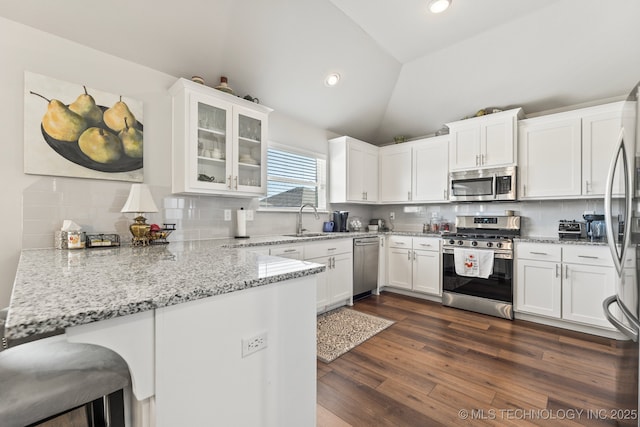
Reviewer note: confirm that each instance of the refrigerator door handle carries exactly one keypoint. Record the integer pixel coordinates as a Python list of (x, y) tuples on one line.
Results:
[(626, 330), (618, 257)]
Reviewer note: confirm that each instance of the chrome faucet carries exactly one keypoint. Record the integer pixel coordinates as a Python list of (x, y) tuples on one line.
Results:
[(299, 228)]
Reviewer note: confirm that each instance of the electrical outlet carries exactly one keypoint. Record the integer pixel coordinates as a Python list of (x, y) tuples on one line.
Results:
[(392, 215), (250, 215), (227, 214), (253, 344)]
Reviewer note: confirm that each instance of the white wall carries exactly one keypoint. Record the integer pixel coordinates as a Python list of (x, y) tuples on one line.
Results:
[(34, 206)]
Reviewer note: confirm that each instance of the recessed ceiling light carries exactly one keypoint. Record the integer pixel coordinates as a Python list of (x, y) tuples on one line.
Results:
[(437, 6), (332, 79)]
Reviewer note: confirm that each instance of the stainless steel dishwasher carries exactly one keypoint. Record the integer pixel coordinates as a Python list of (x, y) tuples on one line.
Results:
[(365, 265)]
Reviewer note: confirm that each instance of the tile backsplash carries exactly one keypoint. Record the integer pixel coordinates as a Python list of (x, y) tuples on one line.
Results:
[(95, 205)]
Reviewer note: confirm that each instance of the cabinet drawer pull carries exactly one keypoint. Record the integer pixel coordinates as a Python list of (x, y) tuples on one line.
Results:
[(332, 249), (425, 244), (588, 256), (538, 253), (399, 243), (290, 250)]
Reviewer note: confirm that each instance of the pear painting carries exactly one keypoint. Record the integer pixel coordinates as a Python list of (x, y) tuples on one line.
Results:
[(73, 130)]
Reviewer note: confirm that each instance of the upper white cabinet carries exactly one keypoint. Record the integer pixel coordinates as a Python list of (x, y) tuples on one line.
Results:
[(484, 141), (567, 154), (219, 142), (415, 171), (353, 171)]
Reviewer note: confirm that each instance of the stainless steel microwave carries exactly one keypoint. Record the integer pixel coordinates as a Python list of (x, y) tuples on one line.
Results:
[(483, 185)]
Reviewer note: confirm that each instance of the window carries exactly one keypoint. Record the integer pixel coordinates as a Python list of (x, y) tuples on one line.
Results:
[(294, 178)]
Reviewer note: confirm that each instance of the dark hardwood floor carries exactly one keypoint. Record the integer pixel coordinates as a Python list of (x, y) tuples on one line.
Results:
[(443, 366)]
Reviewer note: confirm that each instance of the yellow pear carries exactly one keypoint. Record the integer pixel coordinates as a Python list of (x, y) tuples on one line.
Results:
[(86, 106), (100, 145), (131, 140), (60, 122), (114, 116)]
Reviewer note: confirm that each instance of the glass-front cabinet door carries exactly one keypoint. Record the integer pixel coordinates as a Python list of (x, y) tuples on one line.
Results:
[(251, 151), (219, 142), (213, 148)]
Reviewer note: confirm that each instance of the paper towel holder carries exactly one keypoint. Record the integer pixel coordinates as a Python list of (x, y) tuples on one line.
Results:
[(241, 225)]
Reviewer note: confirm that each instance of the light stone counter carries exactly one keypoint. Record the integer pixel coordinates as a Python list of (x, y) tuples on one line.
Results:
[(557, 240), (56, 289)]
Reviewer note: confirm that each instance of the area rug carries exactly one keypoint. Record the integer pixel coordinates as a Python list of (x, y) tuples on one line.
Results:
[(342, 329)]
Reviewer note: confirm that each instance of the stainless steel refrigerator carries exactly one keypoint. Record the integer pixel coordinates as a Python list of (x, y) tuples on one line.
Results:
[(622, 217)]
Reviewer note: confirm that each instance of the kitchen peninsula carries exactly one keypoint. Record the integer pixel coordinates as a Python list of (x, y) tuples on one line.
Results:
[(181, 316)]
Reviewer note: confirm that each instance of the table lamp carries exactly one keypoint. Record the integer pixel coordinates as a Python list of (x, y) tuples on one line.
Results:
[(139, 202)]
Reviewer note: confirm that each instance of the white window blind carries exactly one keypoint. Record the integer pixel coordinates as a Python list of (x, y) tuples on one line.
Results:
[(294, 179)]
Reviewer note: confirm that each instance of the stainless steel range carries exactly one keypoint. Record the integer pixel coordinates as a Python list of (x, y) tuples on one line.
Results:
[(477, 264)]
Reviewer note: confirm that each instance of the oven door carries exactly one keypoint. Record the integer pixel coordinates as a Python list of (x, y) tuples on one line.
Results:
[(498, 286)]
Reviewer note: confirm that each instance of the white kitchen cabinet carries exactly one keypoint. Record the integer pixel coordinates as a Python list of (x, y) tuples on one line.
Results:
[(219, 142), (538, 280), (485, 141), (395, 173), (566, 282), (600, 130), (589, 277), (335, 285), (567, 154), (414, 264), (288, 251), (353, 171), (416, 171)]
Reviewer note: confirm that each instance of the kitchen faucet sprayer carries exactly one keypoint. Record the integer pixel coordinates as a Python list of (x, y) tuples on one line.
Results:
[(299, 228)]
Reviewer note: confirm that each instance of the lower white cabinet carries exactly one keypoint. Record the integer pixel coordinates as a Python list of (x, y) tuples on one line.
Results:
[(335, 285), (413, 263), (567, 282)]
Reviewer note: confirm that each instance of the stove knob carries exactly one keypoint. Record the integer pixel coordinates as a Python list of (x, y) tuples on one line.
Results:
[(498, 245), (489, 244), (460, 242), (451, 241), (474, 243)]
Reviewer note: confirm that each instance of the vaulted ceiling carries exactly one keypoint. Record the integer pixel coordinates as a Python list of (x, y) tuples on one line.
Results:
[(404, 71)]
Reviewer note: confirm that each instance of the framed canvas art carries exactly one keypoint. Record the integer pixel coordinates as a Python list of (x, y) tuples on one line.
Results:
[(76, 131)]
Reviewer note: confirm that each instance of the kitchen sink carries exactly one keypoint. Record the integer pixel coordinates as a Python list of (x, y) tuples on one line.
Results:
[(306, 235)]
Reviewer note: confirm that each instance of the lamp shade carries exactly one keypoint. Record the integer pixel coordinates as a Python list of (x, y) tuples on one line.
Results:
[(139, 200)]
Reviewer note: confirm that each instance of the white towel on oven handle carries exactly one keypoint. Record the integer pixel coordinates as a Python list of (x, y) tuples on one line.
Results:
[(473, 263)]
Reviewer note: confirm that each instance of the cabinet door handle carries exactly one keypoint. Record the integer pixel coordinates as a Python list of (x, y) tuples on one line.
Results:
[(408, 195), (557, 265), (477, 160), (586, 187), (236, 182), (482, 161), (229, 180), (566, 271), (587, 256), (409, 255), (524, 189), (382, 243), (333, 262), (414, 255), (444, 194)]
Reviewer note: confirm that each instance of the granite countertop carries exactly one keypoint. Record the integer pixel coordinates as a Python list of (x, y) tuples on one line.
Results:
[(55, 289), (557, 240)]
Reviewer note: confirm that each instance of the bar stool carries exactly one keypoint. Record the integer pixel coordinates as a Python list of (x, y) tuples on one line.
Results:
[(50, 376)]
